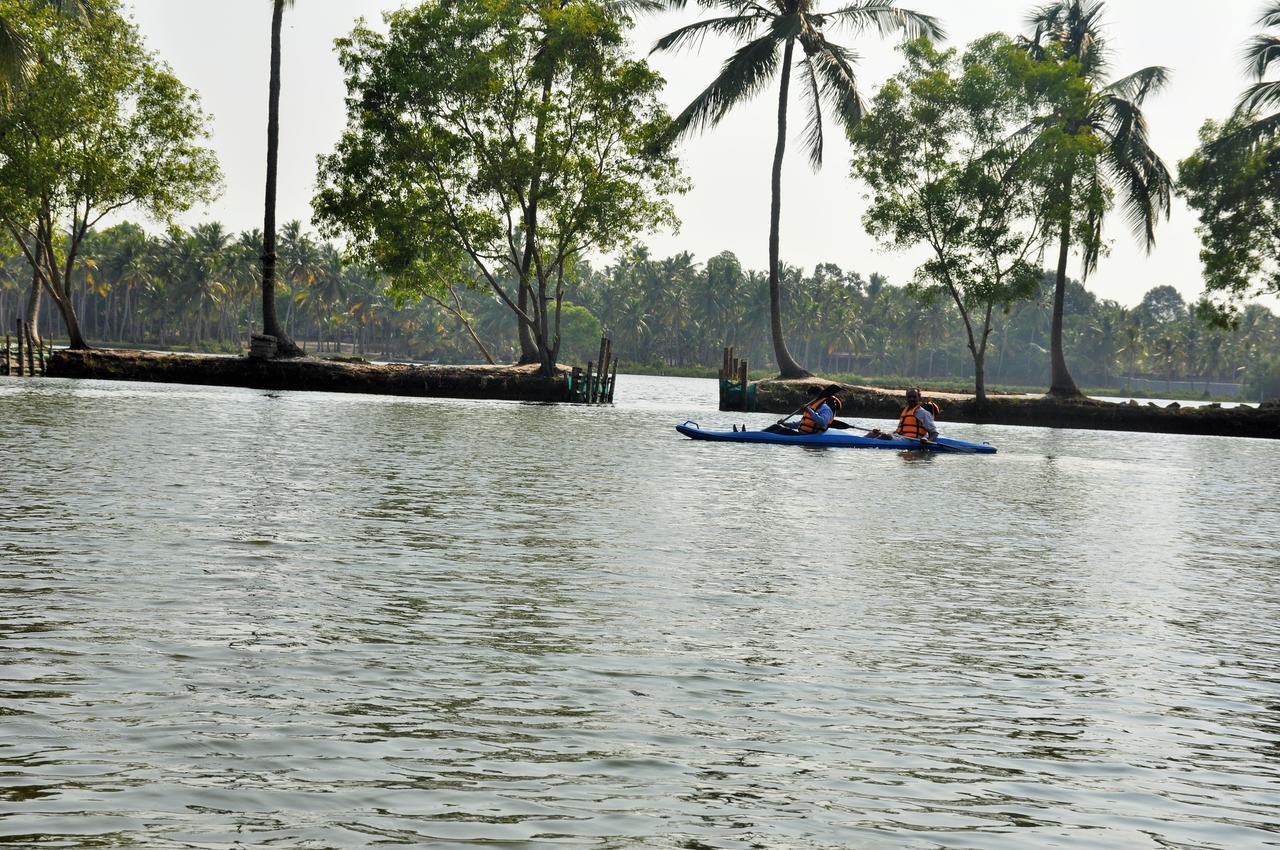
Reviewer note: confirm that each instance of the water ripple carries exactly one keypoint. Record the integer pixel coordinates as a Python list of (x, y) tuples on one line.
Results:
[(234, 619)]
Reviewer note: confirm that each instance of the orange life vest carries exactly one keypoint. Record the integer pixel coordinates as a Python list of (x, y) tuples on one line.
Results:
[(909, 426), (810, 424)]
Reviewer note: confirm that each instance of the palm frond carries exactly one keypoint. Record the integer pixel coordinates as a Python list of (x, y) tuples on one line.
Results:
[(1141, 209), (834, 65), (1091, 245), (1077, 26), (1137, 86), (1259, 53), (82, 9), (741, 77), (14, 58), (887, 19), (812, 127), (636, 7), (1143, 180), (1248, 135), (1270, 16), (1259, 96), (692, 35)]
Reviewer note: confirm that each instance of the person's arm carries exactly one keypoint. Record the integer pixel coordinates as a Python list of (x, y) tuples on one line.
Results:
[(925, 418)]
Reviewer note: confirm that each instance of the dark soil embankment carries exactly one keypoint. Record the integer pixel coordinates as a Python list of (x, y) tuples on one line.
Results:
[(513, 383), (785, 396)]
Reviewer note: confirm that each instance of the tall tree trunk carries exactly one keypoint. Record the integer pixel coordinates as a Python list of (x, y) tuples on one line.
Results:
[(787, 366), (528, 346), (285, 346), (75, 338), (1061, 384), (33, 309)]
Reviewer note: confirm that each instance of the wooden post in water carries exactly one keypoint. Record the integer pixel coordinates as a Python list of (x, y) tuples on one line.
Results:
[(588, 382), (40, 351), (575, 381), (605, 392), (602, 370), (743, 373), (18, 322), (613, 381), (6, 354)]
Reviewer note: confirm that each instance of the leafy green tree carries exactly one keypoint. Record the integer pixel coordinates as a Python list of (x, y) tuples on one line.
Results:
[(579, 333), (1095, 135), (933, 150), (1232, 181), (102, 126), (765, 30), (285, 346), (483, 134)]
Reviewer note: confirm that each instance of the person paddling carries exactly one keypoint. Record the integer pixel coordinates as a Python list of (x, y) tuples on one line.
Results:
[(815, 417), (914, 423)]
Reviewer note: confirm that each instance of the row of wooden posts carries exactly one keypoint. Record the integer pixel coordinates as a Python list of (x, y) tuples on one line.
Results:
[(595, 385), (734, 385), (32, 355)]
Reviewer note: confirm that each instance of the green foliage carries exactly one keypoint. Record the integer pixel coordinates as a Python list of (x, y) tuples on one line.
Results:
[(942, 173), (1263, 380), (504, 136), (579, 334), (102, 125), (198, 289), (1233, 184)]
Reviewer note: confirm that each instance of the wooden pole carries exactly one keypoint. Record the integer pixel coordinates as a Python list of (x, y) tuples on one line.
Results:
[(604, 370), (6, 354), (43, 368), (575, 381), (600, 366), (613, 381), (743, 373), (587, 383), (20, 352)]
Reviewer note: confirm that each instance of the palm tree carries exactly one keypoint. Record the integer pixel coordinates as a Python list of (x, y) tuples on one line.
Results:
[(14, 59), (285, 346), (766, 28), (1262, 51), (1112, 116)]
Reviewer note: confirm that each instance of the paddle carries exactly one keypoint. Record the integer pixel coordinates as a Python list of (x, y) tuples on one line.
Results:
[(841, 425), (830, 390)]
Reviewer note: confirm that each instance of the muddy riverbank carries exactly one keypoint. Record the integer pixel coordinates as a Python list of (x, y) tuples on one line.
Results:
[(781, 397), (513, 383)]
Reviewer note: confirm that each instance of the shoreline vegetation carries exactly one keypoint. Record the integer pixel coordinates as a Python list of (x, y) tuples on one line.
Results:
[(779, 396), (526, 383)]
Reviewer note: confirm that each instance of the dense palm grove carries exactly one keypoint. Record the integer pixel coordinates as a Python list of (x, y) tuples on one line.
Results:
[(198, 289)]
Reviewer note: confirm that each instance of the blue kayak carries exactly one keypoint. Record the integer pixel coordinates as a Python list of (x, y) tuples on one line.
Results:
[(834, 438)]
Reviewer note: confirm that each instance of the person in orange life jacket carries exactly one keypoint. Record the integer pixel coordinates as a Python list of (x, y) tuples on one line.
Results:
[(815, 417), (914, 423)]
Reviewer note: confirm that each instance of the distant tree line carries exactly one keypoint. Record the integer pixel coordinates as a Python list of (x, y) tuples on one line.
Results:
[(199, 289)]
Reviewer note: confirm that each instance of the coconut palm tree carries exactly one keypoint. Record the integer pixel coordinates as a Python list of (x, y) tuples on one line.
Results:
[(1260, 53), (1111, 118), (14, 59), (767, 28), (285, 346)]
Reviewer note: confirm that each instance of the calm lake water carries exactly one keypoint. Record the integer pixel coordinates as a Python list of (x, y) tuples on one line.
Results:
[(237, 619)]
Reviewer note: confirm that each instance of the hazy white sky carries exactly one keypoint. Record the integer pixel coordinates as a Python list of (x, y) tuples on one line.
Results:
[(221, 47)]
